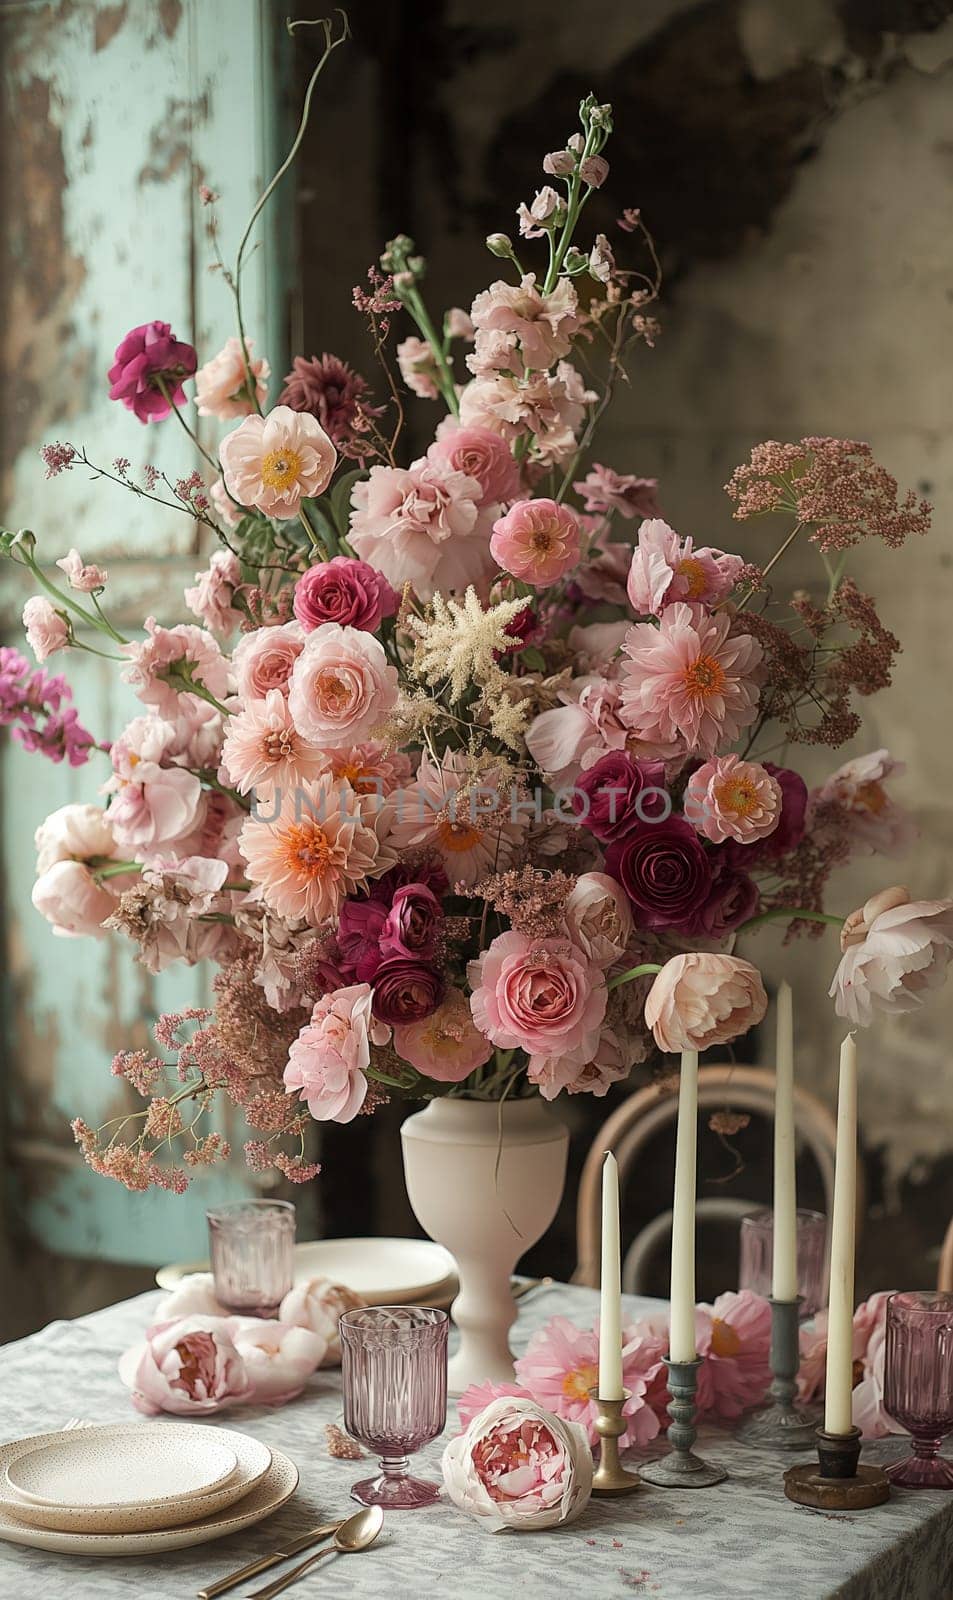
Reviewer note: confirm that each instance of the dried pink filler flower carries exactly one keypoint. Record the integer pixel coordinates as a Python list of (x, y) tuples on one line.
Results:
[(834, 485)]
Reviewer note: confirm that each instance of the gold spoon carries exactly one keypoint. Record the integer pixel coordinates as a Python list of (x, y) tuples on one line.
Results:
[(355, 1534)]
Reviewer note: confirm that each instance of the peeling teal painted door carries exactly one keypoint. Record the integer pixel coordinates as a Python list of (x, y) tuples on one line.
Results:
[(114, 114)]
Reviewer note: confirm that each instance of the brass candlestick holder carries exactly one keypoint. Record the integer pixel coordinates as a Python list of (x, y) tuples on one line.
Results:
[(837, 1483), (681, 1468), (610, 1477), (781, 1424)]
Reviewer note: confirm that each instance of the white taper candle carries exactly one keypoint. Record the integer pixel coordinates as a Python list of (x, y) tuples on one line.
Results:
[(610, 1304), (784, 1276), (838, 1416), (682, 1332)]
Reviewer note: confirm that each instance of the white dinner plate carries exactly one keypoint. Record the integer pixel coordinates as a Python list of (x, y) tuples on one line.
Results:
[(252, 1460), (122, 1466), (274, 1489), (384, 1271)]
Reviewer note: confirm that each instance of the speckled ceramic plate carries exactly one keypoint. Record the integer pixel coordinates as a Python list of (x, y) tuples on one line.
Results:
[(274, 1489), (78, 1511), (384, 1271)]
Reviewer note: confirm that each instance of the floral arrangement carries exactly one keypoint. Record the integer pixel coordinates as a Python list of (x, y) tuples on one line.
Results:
[(461, 774)]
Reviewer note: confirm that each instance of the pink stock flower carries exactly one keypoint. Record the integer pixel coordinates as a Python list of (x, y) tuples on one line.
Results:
[(222, 385), (518, 1467), (700, 1000), (599, 917), (274, 462), (70, 898), (561, 1366), (211, 597), (572, 737), (263, 748), (689, 683), (478, 1396), (458, 323), (462, 818), (878, 826), (418, 367), (603, 490), (318, 1305), (148, 370), (342, 686), (421, 525), (481, 454), (444, 1046), (318, 844), (728, 798), (549, 406), (543, 325), (186, 653), (263, 660), (345, 591), (533, 218), (328, 1062), (666, 568), (82, 577), (733, 1338), (47, 629), (896, 950), (537, 541), (189, 1367), (541, 996)]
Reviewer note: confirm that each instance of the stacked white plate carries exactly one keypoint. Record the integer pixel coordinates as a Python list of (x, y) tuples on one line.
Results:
[(387, 1272), (133, 1488)]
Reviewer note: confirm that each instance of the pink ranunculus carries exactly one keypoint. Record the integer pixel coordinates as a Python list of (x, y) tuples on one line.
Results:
[(263, 660), (544, 324), (561, 1367), (519, 1467), (728, 798), (689, 683), (421, 525), (446, 1046), (478, 1396), (406, 990), (878, 826), (318, 1304), (148, 369), (701, 999), (414, 923), (599, 917), (358, 943), (604, 490), (81, 576), (342, 686), (189, 1366), (70, 898), (164, 651), (542, 996), (47, 629), (210, 599), (573, 736), (418, 367), (666, 568), (263, 748), (480, 454), (345, 591), (895, 951), (222, 385), (274, 462), (193, 1296), (308, 849), (537, 541), (278, 1357), (73, 833), (327, 1063), (733, 1338)]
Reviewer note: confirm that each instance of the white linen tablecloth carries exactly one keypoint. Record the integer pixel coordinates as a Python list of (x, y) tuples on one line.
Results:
[(740, 1541)]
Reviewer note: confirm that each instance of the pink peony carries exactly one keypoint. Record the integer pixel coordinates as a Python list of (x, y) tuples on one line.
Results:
[(189, 1366), (478, 1396), (185, 653), (342, 686), (617, 1052), (148, 370), (418, 367), (444, 1046), (561, 1366), (211, 597), (895, 951), (878, 826), (279, 1357), (73, 833), (604, 490), (541, 996), (460, 817), (690, 683), (733, 1339), (700, 1000), (572, 737), (155, 807), (421, 525), (47, 629), (599, 917), (263, 660), (480, 454), (733, 799), (543, 325), (263, 748), (318, 1304), (537, 541), (666, 568), (82, 577), (274, 462), (344, 591), (70, 898), (519, 1467), (222, 385), (328, 1062)]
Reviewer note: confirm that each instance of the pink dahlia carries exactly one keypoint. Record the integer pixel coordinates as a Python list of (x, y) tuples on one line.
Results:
[(537, 541), (543, 324), (222, 387), (666, 568), (462, 818), (264, 660), (733, 1340), (446, 1046), (421, 525), (148, 370), (561, 1366), (895, 951), (478, 453), (878, 826), (728, 798), (542, 996), (263, 748), (328, 1062), (369, 768), (690, 684), (185, 654), (274, 462), (342, 686), (479, 1395)]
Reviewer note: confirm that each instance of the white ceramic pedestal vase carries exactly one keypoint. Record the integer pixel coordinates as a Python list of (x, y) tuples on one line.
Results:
[(487, 1205)]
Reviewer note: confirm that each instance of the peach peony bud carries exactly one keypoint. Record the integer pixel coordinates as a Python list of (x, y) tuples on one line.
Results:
[(704, 999)]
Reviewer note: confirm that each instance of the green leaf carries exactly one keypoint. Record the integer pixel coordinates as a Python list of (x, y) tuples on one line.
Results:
[(340, 499)]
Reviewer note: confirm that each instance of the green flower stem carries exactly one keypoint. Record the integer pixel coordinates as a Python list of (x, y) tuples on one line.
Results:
[(113, 869), (107, 655), (63, 600), (184, 680), (575, 203), (164, 391), (105, 620), (413, 302), (790, 914), (317, 545), (633, 972)]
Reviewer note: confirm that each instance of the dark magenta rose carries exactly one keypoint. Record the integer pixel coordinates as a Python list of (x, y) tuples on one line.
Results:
[(406, 991), (360, 925), (413, 923), (524, 629), (665, 871), (430, 872), (733, 899), (606, 797), (146, 356), (345, 591)]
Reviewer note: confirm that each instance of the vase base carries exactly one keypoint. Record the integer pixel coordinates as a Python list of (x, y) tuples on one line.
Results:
[(395, 1494)]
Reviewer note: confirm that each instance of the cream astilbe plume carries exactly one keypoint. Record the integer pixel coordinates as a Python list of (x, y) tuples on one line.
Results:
[(459, 642)]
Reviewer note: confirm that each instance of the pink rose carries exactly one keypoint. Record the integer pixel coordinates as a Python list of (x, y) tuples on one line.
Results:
[(190, 1367), (342, 686), (537, 541), (700, 1000), (222, 385), (148, 370), (274, 462), (480, 454), (345, 591), (319, 1305), (69, 897), (329, 1059), (728, 798), (82, 577), (264, 660), (517, 1466), (895, 951), (211, 598), (446, 1046), (542, 996), (47, 629)]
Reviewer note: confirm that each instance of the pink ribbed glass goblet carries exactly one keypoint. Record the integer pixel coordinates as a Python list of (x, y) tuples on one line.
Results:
[(918, 1384), (394, 1373)]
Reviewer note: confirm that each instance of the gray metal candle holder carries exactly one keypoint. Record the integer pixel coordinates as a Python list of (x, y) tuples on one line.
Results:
[(781, 1424), (681, 1468)]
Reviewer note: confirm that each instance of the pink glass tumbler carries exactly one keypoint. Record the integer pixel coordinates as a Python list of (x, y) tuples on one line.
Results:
[(252, 1244), (394, 1374), (918, 1384)]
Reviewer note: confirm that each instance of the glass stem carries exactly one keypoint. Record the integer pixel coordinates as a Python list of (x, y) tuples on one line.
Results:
[(395, 1466), (926, 1449)]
